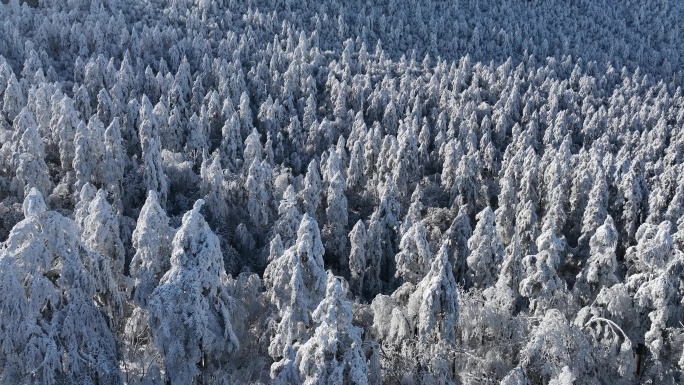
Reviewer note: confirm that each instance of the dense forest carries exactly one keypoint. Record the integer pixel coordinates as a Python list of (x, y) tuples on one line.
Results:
[(326, 192)]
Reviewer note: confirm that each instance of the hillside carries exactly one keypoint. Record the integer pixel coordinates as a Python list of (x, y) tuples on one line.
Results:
[(319, 192)]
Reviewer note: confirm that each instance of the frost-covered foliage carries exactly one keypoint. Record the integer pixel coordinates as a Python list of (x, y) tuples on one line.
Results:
[(500, 184), (600, 269), (54, 329), (190, 310), (152, 242), (333, 354), (358, 239), (413, 258), (542, 284), (295, 283), (434, 303), (486, 251), (100, 232)]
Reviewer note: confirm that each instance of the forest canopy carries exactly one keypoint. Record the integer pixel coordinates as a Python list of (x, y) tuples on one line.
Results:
[(325, 192)]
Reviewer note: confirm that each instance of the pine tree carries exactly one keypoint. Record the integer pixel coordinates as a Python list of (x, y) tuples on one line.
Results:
[(357, 256), (413, 258), (198, 139), (595, 212), (96, 131), (296, 139), (334, 354), (258, 186), (554, 347), (512, 268), (252, 148), (486, 251), (32, 171), (13, 99), (452, 157), (231, 142), (635, 192), (66, 337), (542, 285), (83, 159), (311, 193), (190, 310), (114, 164), (456, 238), (357, 164), (335, 230), (289, 218), (294, 313), (516, 376), (294, 281), (601, 266), (308, 250), (434, 304), (154, 177), (63, 125), (508, 201), (284, 372), (609, 323), (152, 242), (407, 160), (100, 232), (433, 311), (171, 133), (212, 187), (526, 215)]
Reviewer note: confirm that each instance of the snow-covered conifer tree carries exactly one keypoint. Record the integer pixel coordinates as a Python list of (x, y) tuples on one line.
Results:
[(486, 251), (516, 376), (231, 142), (508, 201), (433, 310), (635, 192), (554, 346), (32, 171), (601, 266), (335, 230), (289, 218), (292, 330), (434, 304), (65, 336), (333, 355), (114, 163), (595, 212), (252, 148), (100, 232), (152, 242), (295, 284), (212, 187), (452, 157), (456, 238), (258, 186), (542, 285), (311, 193), (190, 310), (357, 256), (308, 249), (154, 177), (13, 98), (357, 164), (505, 294), (63, 126), (414, 256)]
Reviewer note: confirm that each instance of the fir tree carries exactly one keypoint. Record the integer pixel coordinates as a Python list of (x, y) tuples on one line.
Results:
[(190, 310)]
